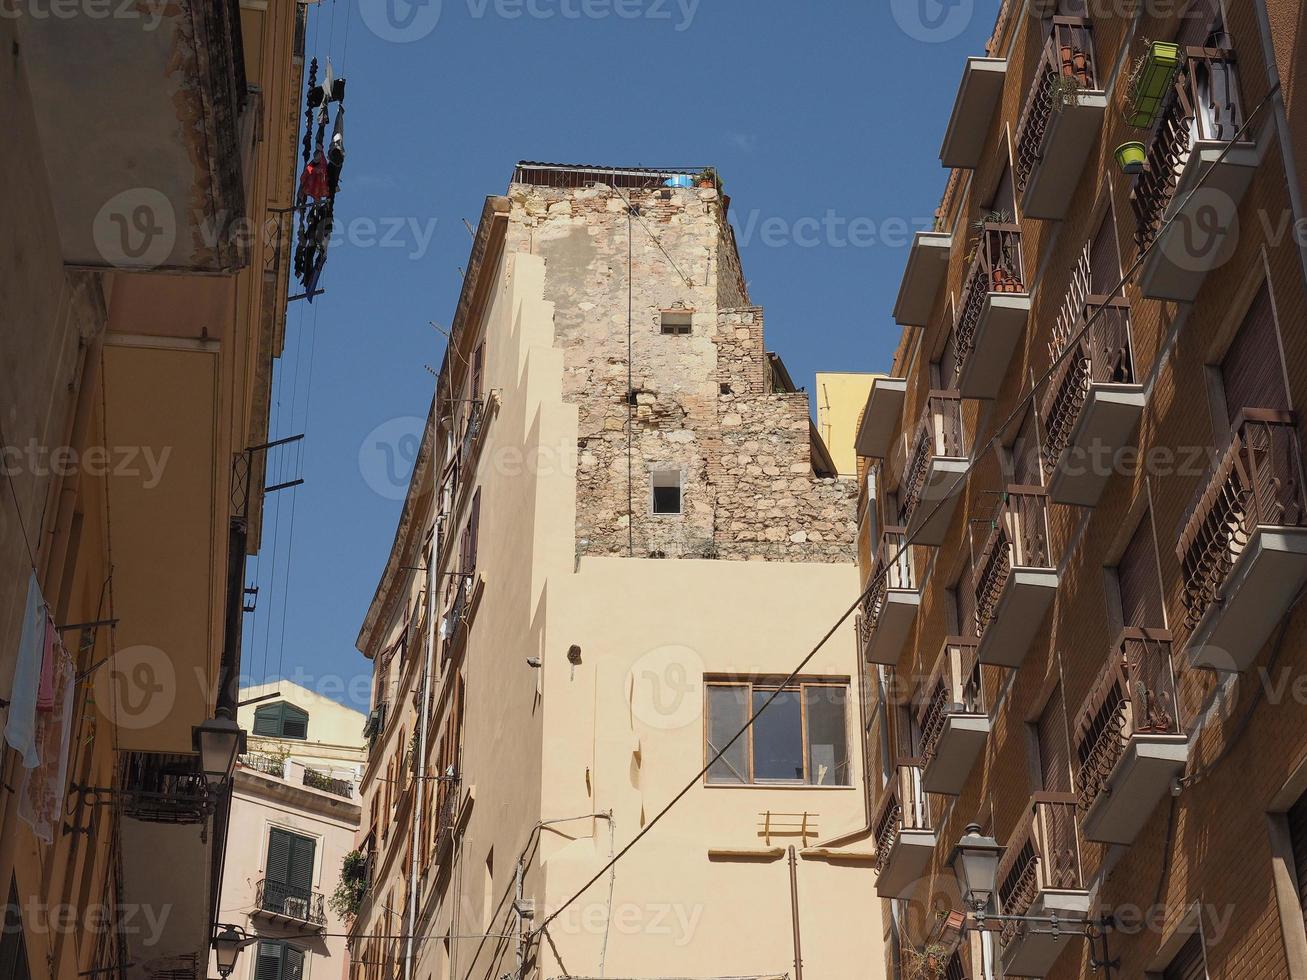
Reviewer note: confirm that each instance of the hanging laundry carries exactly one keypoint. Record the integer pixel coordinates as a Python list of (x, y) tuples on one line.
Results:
[(45, 687), (314, 180), (20, 727), (41, 796), (336, 153)]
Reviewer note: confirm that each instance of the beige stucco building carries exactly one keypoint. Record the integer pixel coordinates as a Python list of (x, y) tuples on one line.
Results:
[(294, 816), (621, 536), (150, 160)]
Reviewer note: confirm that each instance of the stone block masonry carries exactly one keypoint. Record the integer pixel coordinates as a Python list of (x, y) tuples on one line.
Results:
[(700, 409)]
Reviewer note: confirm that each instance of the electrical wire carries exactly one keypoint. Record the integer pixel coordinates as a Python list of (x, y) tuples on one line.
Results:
[(633, 211), (1023, 404), (18, 508)]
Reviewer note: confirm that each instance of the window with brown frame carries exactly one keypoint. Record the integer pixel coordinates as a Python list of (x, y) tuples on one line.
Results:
[(1138, 583), (1051, 741), (801, 738)]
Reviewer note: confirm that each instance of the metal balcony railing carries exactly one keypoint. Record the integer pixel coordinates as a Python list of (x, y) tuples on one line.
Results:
[(1256, 482), (272, 765), (903, 806), (893, 570), (328, 784), (1134, 695), (471, 430), (1018, 538), (279, 898), (955, 687), (996, 268), (164, 787), (1067, 65), (1204, 104), (1043, 854), (939, 432), (1101, 355)]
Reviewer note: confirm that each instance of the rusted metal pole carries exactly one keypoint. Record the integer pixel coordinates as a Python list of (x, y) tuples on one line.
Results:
[(794, 914)]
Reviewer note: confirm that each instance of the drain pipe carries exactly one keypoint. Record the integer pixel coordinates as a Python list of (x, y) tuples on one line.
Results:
[(415, 881), (794, 914)]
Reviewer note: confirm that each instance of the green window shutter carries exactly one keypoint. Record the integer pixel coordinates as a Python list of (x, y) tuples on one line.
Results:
[(292, 963), (300, 871), (294, 722), (279, 856), (268, 966), (267, 720)]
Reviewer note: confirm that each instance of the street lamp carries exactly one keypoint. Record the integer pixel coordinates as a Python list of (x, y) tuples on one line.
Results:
[(219, 741), (975, 864), (227, 946)]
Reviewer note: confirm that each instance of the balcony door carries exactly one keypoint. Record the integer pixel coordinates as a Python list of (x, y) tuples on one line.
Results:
[(288, 878), (1252, 375), (1051, 744), (1138, 582)]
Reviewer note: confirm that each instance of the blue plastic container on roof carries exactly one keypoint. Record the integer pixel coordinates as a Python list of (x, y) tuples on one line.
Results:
[(680, 180)]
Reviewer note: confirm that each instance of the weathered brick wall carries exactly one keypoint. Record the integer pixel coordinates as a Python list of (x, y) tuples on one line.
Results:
[(738, 447)]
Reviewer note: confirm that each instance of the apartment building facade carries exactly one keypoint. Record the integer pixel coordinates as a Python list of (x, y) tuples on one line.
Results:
[(150, 151), (620, 537), (1082, 520), (294, 817)]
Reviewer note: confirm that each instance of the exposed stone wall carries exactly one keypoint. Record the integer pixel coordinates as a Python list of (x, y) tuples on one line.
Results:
[(700, 404)]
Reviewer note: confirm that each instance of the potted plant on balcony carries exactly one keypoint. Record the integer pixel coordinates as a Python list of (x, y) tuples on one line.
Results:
[(708, 179), (348, 896), (1150, 81), (1063, 91), (928, 963), (1130, 157)]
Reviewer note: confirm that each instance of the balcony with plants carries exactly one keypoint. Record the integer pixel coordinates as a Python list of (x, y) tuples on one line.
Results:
[(1243, 549), (1016, 580), (890, 607), (993, 309), (1128, 743), (953, 717), (905, 836), (935, 466), (1094, 398), (1061, 120), (1041, 874), (1189, 101), (282, 902)]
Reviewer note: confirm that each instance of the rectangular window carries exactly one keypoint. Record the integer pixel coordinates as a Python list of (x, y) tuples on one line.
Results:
[(1188, 963), (1297, 820), (676, 322), (801, 737), (288, 877), (1054, 756), (666, 491), (1251, 372), (1138, 581), (279, 961)]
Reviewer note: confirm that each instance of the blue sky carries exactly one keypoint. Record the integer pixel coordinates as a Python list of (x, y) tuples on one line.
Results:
[(824, 118)]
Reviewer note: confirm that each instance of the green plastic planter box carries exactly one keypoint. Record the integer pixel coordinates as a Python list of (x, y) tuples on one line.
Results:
[(1152, 83)]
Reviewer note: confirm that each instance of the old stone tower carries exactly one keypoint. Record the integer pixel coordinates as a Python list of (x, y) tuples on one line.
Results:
[(693, 441)]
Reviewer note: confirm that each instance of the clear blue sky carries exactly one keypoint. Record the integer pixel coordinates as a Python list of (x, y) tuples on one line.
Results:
[(824, 118)]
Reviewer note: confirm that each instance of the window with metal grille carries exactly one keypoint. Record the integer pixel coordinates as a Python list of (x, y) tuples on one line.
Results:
[(800, 738), (281, 720), (279, 961), (1188, 963)]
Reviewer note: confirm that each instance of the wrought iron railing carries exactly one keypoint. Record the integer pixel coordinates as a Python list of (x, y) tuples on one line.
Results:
[(955, 686), (1042, 854), (939, 433), (1099, 355), (471, 429), (893, 570), (1134, 695), (1204, 104), (903, 806), (270, 764), (164, 787), (996, 268), (1018, 538), (1256, 482), (279, 898), (328, 783), (446, 815), (1067, 67)]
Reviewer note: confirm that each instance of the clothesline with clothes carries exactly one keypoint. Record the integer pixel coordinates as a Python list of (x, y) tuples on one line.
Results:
[(315, 201)]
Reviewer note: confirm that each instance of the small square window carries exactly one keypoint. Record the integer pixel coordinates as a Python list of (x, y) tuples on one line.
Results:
[(676, 322), (666, 491)]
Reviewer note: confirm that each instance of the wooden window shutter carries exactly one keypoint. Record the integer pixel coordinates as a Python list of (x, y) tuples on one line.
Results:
[(268, 966), (279, 848), (964, 602), (1026, 469), (1054, 756), (1138, 581), (294, 722), (300, 874), (1104, 258), (267, 720), (1188, 963), (1251, 371)]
